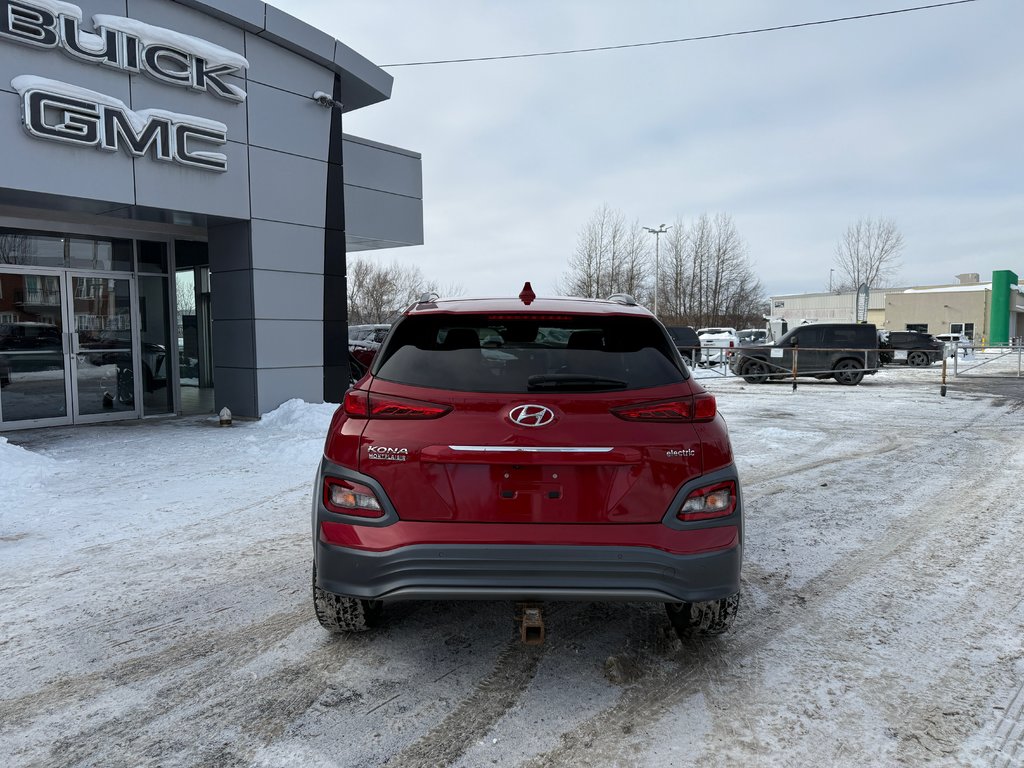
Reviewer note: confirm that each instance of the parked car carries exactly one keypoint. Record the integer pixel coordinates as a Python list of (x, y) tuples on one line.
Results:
[(908, 348), (364, 340), (842, 351), (752, 336), (585, 464), (717, 343), (686, 340), (955, 342)]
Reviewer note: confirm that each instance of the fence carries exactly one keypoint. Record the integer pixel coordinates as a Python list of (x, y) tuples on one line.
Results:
[(846, 365), (991, 362)]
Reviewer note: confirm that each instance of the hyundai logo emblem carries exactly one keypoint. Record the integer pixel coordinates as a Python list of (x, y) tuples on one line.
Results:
[(531, 415)]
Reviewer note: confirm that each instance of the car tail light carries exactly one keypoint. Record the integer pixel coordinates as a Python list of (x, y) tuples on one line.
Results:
[(363, 405), (700, 407), (348, 498), (717, 500)]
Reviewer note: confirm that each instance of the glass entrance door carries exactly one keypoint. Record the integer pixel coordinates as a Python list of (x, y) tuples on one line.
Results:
[(35, 387), (68, 346), (105, 370)]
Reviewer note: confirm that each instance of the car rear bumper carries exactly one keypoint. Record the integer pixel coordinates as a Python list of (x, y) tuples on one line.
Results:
[(527, 572)]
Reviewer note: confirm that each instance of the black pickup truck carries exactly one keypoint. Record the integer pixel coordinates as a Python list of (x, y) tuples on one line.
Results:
[(909, 347), (841, 351)]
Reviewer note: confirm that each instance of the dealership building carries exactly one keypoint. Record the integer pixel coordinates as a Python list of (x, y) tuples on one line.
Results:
[(177, 200)]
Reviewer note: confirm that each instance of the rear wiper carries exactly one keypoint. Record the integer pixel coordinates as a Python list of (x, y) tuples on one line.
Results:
[(573, 382)]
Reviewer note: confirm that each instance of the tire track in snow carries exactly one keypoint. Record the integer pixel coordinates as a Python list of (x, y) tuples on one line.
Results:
[(475, 715), (1009, 733)]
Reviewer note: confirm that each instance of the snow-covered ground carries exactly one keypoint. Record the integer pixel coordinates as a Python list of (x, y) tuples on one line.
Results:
[(155, 607)]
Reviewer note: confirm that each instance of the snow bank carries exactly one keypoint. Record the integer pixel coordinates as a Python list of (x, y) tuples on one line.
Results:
[(21, 467), (300, 417)]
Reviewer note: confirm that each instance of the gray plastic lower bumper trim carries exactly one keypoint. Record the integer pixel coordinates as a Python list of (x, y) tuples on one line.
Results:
[(527, 572)]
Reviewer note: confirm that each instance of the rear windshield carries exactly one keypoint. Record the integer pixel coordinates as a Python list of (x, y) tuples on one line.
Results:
[(481, 353)]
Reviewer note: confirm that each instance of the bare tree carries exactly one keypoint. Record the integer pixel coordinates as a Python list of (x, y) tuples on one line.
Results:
[(378, 291), (611, 256), (868, 253), (14, 248), (707, 279)]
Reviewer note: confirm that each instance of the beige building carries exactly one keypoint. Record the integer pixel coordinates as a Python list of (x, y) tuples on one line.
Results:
[(963, 307)]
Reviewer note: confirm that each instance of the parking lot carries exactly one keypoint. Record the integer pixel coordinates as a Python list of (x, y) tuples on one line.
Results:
[(155, 607)]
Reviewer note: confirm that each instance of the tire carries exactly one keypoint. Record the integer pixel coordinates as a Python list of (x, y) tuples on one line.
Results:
[(918, 359), (714, 617), (755, 372), (342, 615), (847, 372)]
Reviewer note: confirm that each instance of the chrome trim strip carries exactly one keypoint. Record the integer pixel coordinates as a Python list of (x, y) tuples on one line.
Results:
[(525, 449)]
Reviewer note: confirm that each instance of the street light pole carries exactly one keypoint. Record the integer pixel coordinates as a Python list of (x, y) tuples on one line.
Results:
[(661, 230), (830, 280)]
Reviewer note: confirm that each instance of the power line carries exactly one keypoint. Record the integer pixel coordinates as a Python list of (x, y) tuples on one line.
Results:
[(717, 36)]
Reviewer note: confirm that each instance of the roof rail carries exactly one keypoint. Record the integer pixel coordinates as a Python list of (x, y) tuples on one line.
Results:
[(623, 298)]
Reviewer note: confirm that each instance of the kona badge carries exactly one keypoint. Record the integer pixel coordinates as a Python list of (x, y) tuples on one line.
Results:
[(531, 415), (386, 453)]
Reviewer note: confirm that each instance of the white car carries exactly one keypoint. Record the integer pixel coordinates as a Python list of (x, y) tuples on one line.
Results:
[(716, 344), (956, 342)]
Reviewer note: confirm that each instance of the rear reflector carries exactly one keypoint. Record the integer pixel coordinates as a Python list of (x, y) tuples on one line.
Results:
[(700, 407), (348, 498), (362, 405)]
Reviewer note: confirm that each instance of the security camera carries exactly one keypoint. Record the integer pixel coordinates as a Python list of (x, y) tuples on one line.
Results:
[(324, 99)]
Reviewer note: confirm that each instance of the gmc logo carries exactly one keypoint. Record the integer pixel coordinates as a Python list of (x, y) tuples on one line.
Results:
[(61, 112), (124, 44)]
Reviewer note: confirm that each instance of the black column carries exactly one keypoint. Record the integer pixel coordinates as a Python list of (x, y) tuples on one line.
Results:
[(336, 366)]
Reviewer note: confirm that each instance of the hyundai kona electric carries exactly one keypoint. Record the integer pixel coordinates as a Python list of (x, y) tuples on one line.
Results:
[(530, 450)]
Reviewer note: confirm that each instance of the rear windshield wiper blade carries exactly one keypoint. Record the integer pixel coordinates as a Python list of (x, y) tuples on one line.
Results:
[(573, 381)]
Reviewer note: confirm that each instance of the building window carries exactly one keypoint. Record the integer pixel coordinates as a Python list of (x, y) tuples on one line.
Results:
[(967, 329)]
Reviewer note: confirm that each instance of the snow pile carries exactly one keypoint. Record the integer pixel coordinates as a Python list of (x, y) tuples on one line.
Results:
[(21, 467), (300, 417)]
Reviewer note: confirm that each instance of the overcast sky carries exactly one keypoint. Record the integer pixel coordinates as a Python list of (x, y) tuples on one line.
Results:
[(796, 134)]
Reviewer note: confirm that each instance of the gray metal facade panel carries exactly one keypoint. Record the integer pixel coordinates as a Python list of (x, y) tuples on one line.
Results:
[(378, 168), (49, 167), (149, 94), (236, 389), (17, 59), (361, 75), (289, 343), (231, 295), (306, 132), (188, 21), (287, 295), (287, 246), (250, 15), (278, 385), (383, 217), (234, 343), (287, 188), (282, 28), (272, 65), (178, 188), (229, 247)]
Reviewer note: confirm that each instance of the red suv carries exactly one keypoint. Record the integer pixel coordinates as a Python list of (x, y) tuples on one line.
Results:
[(530, 450)]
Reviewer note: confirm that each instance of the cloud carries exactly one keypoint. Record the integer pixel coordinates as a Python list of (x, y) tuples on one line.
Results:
[(796, 134)]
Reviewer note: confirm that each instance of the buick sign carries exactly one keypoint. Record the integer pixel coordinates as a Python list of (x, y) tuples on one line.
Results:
[(53, 110), (126, 44)]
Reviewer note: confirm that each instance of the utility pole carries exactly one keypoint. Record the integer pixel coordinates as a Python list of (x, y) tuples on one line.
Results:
[(661, 230), (830, 280)]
